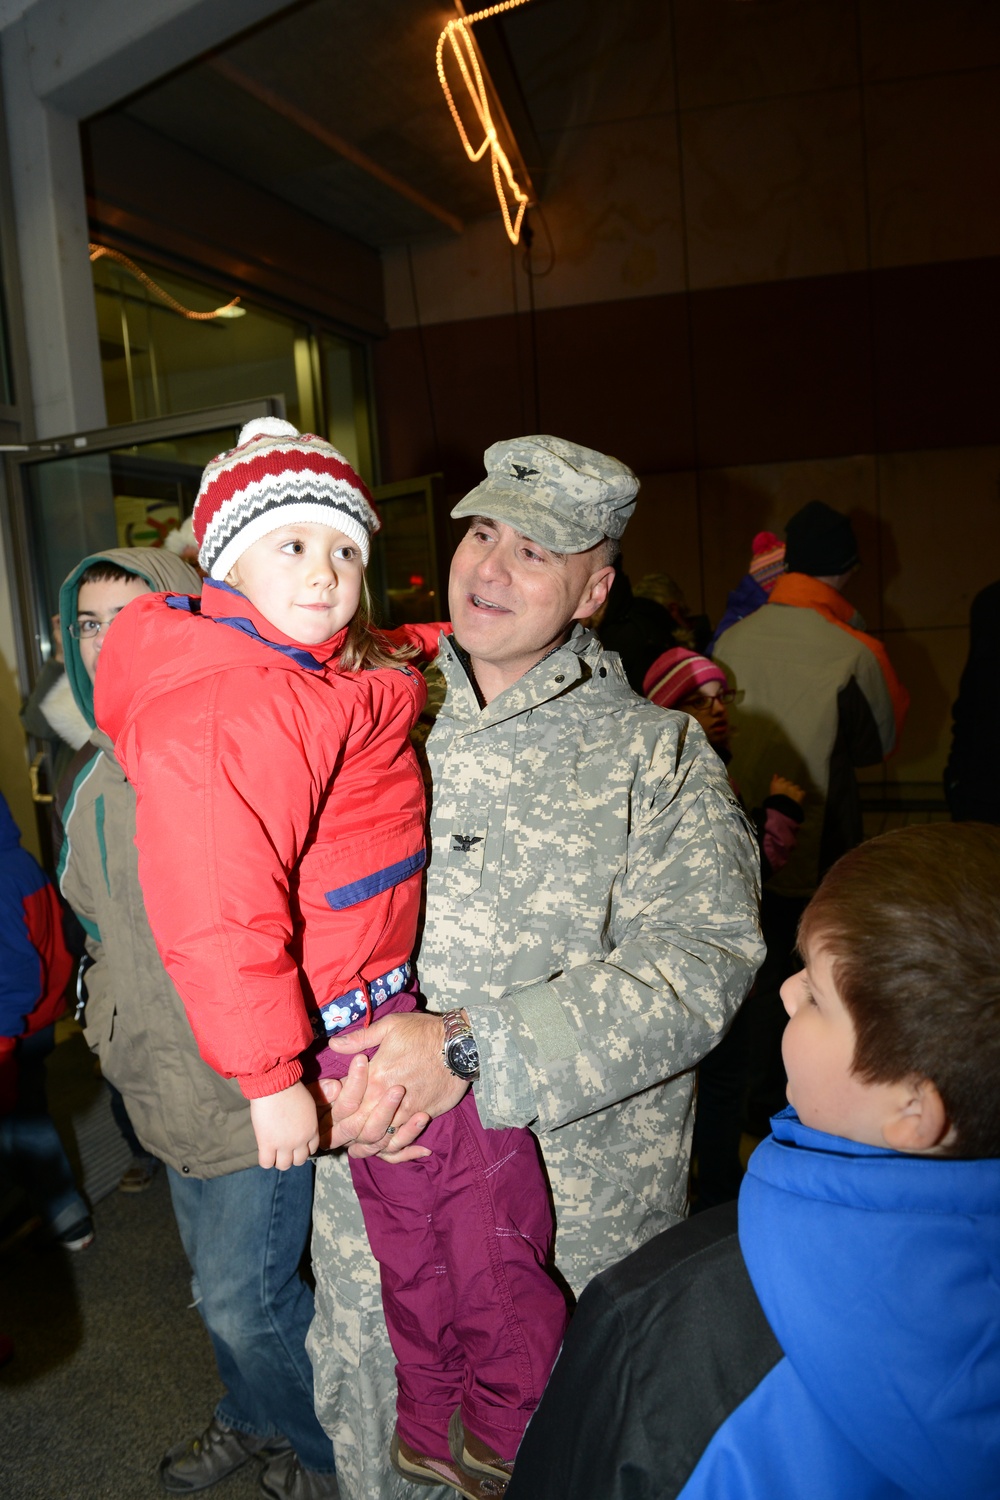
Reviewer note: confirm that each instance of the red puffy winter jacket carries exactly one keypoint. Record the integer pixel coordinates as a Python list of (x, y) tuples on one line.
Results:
[(279, 817)]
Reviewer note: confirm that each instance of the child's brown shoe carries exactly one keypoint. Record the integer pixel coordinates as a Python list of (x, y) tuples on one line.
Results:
[(472, 1453), (419, 1469)]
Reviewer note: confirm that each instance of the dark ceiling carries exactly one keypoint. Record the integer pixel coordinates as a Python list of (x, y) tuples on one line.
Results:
[(335, 106)]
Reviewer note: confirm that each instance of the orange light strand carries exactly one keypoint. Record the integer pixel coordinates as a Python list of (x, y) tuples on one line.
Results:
[(458, 36), (97, 252)]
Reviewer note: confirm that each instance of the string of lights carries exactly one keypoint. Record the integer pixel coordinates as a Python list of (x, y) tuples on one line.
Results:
[(231, 310), (458, 36)]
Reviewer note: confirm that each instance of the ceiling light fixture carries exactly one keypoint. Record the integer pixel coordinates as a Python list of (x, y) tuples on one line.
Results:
[(458, 34), (231, 310)]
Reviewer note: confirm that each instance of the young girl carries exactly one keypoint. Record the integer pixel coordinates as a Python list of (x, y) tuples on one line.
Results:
[(280, 828), (697, 686)]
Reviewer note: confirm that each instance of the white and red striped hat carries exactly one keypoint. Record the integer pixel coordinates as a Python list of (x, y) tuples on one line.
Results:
[(275, 475)]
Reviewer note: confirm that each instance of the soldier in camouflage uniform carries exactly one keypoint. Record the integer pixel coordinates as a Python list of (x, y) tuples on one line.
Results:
[(591, 907)]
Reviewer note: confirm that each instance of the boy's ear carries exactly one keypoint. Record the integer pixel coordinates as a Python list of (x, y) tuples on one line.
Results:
[(920, 1123)]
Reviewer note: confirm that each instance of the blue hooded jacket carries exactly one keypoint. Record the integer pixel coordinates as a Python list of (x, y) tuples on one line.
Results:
[(840, 1342), (879, 1275)]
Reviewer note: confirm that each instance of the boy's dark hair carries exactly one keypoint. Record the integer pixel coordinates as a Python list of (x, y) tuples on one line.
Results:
[(911, 923), (105, 571)]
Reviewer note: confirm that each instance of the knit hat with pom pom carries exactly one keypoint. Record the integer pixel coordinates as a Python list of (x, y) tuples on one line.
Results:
[(276, 475), (767, 559)]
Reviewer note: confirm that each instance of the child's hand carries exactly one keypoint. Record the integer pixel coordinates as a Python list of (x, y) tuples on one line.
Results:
[(782, 787), (286, 1127)]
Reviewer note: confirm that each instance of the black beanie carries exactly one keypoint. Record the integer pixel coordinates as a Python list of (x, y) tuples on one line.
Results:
[(820, 541)]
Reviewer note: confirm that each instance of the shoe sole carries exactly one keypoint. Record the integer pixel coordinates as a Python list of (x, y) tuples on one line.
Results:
[(83, 1244)]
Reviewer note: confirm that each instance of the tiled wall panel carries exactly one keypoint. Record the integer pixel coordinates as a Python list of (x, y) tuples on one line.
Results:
[(782, 370), (934, 168), (936, 330), (774, 189), (728, 52), (904, 38)]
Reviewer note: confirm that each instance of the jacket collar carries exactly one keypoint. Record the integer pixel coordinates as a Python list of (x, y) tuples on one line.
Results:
[(221, 602), (810, 593), (579, 659)]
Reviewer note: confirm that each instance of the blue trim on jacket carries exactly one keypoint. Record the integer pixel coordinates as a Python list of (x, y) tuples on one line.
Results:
[(373, 885), (297, 654)]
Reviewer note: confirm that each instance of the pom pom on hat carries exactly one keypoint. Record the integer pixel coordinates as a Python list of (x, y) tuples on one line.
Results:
[(276, 475), (275, 427), (181, 538), (677, 674), (767, 559)]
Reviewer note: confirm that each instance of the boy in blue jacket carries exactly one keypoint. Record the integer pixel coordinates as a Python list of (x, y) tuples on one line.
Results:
[(842, 1337)]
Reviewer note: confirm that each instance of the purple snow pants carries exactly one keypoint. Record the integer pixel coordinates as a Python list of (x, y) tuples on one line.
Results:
[(463, 1238)]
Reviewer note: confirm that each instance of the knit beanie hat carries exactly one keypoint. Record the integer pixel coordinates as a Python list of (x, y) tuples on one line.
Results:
[(767, 559), (677, 674), (820, 541), (275, 475)]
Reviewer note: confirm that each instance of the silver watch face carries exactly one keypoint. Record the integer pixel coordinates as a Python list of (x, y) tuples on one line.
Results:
[(463, 1056)]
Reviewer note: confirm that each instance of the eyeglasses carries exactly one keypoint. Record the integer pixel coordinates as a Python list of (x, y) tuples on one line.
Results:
[(701, 701), (89, 629)]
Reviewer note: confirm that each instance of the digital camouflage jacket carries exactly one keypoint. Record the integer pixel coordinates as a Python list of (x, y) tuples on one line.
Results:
[(592, 901)]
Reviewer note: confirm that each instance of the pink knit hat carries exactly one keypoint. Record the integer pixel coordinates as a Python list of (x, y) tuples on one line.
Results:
[(677, 674)]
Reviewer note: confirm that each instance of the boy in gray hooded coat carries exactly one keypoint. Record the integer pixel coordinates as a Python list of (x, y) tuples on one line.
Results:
[(234, 1218)]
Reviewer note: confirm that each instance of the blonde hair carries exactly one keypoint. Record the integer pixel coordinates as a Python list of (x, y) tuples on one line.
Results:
[(366, 648)]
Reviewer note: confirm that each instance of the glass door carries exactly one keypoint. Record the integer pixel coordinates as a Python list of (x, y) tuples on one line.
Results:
[(124, 486)]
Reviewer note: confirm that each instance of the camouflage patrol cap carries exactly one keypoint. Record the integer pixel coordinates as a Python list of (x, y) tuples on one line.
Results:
[(566, 497)]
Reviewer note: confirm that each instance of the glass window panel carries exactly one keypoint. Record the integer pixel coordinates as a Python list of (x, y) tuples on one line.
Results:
[(405, 575), (345, 400), (156, 362)]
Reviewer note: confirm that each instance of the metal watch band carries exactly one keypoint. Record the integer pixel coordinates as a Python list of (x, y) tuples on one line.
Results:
[(459, 1038)]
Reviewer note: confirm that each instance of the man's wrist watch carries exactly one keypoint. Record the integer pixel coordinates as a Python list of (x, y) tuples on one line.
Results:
[(460, 1050)]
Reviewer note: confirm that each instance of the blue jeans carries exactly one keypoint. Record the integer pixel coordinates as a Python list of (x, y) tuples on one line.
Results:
[(30, 1145), (245, 1235)]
